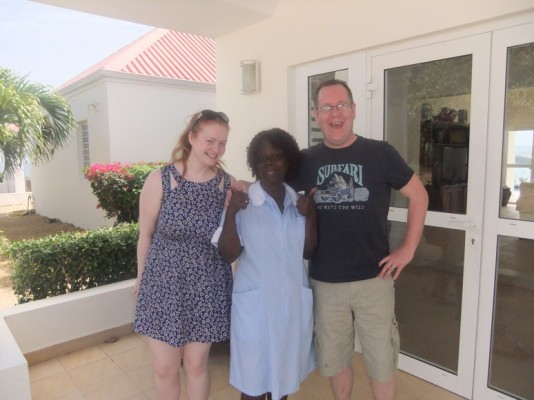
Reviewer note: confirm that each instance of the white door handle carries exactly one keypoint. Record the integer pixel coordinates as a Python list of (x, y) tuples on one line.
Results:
[(462, 223)]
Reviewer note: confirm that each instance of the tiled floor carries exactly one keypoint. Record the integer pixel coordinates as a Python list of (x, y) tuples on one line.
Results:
[(122, 370)]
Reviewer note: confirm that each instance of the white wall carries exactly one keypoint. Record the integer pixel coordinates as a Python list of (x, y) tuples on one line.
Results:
[(60, 191), (303, 31), (145, 123), (59, 187), (136, 119)]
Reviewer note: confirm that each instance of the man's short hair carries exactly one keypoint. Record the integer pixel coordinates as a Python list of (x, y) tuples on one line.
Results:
[(332, 82)]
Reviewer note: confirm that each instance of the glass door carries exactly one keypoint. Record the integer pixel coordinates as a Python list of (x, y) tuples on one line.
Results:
[(430, 106), (506, 324)]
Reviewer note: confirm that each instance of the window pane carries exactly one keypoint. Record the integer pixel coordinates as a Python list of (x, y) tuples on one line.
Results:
[(517, 195), (427, 121), (429, 296), (512, 347)]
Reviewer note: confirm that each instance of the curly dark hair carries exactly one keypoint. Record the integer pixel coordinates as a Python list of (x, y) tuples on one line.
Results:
[(279, 140)]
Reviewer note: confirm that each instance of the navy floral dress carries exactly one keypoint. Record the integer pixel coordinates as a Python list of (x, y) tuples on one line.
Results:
[(186, 288)]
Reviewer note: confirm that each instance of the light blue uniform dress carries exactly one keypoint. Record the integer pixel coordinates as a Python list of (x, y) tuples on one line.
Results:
[(272, 317)]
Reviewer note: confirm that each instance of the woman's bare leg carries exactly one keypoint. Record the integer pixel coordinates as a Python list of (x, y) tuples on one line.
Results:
[(166, 360), (196, 370)]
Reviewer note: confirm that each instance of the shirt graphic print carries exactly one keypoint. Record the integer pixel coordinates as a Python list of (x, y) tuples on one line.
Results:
[(340, 186)]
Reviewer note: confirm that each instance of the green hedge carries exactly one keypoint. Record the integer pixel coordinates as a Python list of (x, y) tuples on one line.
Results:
[(69, 262)]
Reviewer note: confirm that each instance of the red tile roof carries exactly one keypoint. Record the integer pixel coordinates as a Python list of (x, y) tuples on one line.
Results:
[(164, 53)]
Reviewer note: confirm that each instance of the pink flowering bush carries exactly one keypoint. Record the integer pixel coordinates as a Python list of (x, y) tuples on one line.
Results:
[(118, 186)]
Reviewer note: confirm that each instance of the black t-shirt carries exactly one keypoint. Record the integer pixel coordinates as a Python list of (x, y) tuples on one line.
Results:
[(354, 188)]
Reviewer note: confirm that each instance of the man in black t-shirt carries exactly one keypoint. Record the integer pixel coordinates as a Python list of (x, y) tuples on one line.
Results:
[(353, 269)]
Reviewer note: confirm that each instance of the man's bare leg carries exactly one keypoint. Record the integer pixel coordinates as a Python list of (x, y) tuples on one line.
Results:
[(342, 384), (383, 391)]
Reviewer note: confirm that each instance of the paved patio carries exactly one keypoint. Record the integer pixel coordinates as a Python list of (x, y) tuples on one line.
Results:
[(122, 370)]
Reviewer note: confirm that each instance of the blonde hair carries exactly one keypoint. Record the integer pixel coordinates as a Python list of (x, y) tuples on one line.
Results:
[(182, 150)]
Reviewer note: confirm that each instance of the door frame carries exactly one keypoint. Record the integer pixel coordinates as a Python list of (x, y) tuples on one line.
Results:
[(494, 225), (471, 223)]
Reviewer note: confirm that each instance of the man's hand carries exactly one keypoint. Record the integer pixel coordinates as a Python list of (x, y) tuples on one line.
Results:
[(395, 262), (238, 201), (237, 186), (306, 204)]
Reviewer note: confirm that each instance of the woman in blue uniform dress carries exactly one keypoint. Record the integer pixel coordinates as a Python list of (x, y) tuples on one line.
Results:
[(271, 230)]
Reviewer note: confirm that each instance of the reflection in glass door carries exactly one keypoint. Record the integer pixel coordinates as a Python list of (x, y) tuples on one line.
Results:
[(512, 350), (429, 297), (517, 196), (432, 101)]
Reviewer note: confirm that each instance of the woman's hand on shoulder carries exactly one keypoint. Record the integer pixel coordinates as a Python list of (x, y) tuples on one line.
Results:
[(236, 186), (238, 201)]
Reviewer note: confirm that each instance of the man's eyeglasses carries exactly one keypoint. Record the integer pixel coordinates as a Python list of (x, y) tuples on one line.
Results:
[(209, 115), (328, 108), (271, 158)]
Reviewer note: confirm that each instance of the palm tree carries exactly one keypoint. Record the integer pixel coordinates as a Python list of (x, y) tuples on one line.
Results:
[(34, 121)]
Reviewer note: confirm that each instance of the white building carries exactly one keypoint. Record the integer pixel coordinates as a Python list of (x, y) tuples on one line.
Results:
[(130, 107), (465, 304)]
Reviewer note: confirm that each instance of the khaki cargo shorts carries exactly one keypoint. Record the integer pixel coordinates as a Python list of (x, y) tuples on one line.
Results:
[(366, 307)]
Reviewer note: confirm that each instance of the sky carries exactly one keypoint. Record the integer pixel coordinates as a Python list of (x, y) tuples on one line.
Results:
[(52, 45)]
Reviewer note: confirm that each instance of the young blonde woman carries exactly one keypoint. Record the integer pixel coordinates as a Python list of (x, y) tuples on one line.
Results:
[(183, 286)]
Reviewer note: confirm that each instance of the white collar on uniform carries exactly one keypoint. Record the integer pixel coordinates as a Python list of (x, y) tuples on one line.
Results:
[(257, 194)]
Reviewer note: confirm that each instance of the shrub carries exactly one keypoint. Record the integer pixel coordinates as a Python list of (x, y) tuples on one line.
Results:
[(68, 262), (118, 186)]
